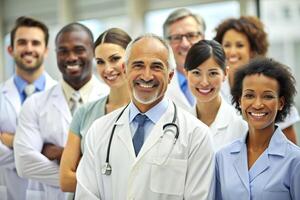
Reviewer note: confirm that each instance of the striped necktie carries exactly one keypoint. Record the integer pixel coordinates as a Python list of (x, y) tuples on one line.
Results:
[(75, 101)]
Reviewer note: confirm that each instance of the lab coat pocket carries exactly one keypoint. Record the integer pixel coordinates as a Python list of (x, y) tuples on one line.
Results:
[(169, 178), (3, 192), (35, 195)]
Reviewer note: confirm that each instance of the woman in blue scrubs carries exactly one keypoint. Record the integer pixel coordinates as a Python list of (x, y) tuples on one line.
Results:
[(264, 164)]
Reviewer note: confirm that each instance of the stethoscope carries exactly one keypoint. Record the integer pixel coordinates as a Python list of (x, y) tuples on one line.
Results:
[(106, 170)]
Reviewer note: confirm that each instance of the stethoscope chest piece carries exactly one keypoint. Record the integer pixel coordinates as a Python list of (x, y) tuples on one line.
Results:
[(106, 170)]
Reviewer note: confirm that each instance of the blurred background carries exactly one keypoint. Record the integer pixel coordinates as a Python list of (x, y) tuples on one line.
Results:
[(281, 19)]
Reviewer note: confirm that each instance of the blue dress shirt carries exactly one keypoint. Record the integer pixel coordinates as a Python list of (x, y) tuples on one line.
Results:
[(21, 84), (275, 175), (185, 88), (153, 114)]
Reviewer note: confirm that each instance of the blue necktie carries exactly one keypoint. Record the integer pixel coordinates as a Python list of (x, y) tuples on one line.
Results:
[(138, 138)]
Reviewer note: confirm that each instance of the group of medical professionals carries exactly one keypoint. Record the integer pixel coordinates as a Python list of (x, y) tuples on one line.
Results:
[(173, 117)]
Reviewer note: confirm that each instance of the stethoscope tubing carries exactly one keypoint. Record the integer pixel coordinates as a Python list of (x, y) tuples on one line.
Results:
[(107, 167)]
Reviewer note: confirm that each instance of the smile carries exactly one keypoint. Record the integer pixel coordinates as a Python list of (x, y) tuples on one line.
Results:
[(73, 67), (143, 85), (257, 115), (146, 84), (204, 91), (111, 77)]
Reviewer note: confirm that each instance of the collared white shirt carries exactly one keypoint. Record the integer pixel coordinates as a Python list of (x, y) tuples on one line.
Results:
[(84, 91)]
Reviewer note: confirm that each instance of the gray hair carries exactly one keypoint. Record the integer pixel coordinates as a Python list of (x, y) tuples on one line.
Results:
[(180, 14), (171, 60)]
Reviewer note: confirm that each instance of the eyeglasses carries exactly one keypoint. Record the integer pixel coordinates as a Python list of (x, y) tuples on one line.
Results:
[(191, 37)]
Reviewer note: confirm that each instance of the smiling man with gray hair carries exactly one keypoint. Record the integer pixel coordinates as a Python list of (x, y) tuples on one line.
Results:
[(150, 149), (182, 29)]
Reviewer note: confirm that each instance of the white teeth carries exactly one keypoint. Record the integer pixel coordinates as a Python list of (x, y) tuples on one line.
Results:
[(73, 67), (258, 114), (204, 91), (111, 77), (146, 86), (233, 59), (28, 57)]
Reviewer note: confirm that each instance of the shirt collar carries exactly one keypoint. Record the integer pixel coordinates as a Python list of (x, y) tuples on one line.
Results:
[(21, 83), (277, 145), (278, 142), (153, 114), (84, 91)]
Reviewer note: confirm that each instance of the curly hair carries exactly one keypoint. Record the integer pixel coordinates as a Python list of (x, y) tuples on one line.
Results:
[(274, 70), (251, 26)]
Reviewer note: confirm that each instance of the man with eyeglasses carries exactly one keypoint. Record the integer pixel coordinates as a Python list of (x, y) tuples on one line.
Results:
[(182, 29)]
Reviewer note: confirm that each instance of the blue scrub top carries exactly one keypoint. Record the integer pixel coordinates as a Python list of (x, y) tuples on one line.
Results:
[(274, 175)]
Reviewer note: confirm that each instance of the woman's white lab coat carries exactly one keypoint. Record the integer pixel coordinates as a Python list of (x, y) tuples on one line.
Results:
[(187, 174), (44, 118), (12, 187), (227, 126)]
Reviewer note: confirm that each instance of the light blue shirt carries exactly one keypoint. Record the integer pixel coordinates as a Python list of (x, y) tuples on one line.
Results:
[(185, 88), (20, 83), (274, 175), (153, 115)]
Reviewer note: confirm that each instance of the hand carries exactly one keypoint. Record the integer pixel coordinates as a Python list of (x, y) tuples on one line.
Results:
[(7, 139), (52, 152)]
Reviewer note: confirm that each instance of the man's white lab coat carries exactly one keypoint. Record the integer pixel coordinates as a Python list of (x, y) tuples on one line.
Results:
[(11, 185), (44, 118), (188, 172)]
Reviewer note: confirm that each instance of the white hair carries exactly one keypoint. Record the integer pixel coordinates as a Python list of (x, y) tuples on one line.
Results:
[(171, 60)]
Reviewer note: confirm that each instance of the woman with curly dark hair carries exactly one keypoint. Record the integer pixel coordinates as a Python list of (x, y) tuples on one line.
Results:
[(243, 39), (264, 164)]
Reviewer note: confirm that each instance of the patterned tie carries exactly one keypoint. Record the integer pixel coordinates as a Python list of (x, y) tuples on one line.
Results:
[(29, 90), (138, 138), (75, 101)]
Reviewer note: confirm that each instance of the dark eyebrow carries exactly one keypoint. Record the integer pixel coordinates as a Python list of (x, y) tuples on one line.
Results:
[(137, 62), (157, 63), (248, 90), (116, 54), (214, 69)]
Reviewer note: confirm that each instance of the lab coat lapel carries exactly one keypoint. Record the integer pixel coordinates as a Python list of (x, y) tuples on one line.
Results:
[(60, 103), (11, 92), (221, 121), (241, 165), (123, 131)]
